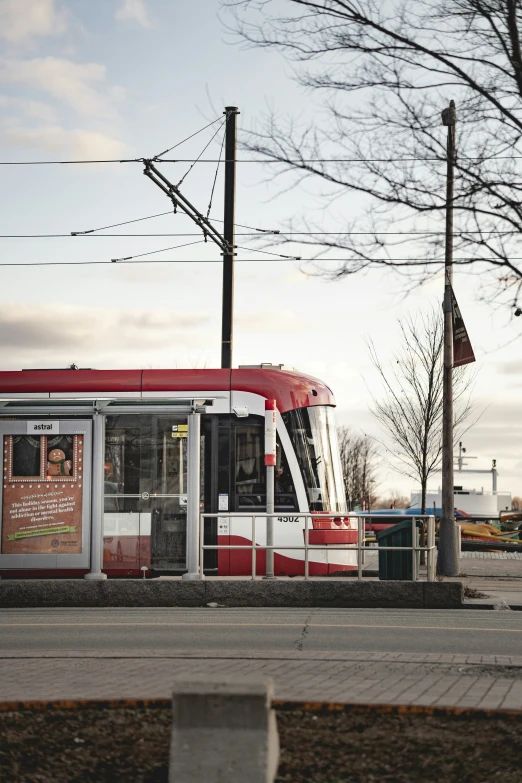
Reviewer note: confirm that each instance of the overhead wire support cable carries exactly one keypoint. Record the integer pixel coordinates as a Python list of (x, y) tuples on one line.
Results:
[(198, 158), (268, 253), (115, 225), (215, 175), (156, 157), (161, 250)]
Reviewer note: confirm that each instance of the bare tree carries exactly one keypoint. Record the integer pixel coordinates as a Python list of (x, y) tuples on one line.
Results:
[(384, 71), (358, 455), (409, 409)]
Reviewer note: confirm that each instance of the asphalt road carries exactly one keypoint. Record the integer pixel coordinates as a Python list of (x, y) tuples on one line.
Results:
[(257, 630)]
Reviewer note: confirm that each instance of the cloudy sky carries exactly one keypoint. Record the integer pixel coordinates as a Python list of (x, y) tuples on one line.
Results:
[(126, 78)]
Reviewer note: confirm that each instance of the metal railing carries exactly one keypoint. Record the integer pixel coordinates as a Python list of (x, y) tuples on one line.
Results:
[(360, 547)]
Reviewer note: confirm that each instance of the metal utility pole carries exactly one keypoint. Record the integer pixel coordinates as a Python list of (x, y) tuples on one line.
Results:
[(224, 240), (231, 113), (448, 563)]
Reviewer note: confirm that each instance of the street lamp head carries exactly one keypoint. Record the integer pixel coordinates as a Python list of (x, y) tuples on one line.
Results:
[(449, 115), (518, 312)]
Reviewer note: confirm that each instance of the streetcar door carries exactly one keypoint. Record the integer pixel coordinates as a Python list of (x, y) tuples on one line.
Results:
[(145, 520), (167, 501)]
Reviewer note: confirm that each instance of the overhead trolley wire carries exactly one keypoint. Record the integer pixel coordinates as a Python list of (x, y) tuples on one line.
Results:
[(254, 233), (441, 159), (385, 261), (251, 160)]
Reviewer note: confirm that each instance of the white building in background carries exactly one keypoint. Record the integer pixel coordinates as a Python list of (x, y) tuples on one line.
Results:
[(476, 502)]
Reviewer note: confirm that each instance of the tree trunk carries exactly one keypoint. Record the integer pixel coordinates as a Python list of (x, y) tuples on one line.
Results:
[(423, 537)]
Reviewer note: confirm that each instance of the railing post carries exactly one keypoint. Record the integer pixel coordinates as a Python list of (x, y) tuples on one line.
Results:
[(253, 547), (360, 542), (430, 544), (307, 564), (193, 495), (270, 462), (413, 550), (201, 543), (97, 503)]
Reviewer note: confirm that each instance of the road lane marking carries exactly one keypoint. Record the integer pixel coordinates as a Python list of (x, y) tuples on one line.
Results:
[(259, 625)]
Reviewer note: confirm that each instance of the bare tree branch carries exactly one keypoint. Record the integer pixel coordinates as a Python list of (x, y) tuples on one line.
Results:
[(358, 456), (409, 404), (384, 72)]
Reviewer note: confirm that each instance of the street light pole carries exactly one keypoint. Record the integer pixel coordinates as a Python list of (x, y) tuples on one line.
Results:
[(231, 113), (448, 564)]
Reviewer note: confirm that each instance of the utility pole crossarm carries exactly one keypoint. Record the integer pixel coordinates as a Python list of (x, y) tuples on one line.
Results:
[(181, 202)]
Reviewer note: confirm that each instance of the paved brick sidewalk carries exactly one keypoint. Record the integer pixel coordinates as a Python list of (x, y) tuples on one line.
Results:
[(484, 682)]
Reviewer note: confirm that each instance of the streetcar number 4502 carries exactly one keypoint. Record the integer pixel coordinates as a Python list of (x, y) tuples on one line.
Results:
[(288, 519)]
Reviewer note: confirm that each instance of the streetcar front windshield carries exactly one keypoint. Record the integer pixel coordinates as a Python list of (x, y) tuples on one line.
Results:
[(314, 437)]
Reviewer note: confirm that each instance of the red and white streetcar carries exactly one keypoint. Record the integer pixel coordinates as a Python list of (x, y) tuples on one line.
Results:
[(95, 468)]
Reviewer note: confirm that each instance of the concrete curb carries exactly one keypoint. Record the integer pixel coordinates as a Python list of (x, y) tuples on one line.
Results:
[(27, 593)]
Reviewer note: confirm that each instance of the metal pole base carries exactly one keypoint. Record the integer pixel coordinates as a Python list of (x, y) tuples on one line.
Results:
[(192, 577), (95, 577), (270, 576), (447, 556)]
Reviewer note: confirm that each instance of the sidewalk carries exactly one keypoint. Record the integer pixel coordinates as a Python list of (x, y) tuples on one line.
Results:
[(498, 575), (463, 681)]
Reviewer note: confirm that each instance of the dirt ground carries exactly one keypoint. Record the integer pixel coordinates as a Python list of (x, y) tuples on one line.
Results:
[(131, 745)]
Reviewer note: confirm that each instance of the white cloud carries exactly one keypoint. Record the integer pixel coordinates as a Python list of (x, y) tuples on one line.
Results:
[(135, 11), (257, 321), (24, 19), (81, 85), (76, 143), (56, 334), (34, 109)]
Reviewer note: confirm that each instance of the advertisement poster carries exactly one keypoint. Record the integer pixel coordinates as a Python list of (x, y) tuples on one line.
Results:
[(42, 493)]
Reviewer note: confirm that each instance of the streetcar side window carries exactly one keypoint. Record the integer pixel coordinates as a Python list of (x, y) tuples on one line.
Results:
[(250, 472), (249, 467), (122, 466)]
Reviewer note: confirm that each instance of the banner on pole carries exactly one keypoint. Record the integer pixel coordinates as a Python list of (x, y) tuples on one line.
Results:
[(462, 350)]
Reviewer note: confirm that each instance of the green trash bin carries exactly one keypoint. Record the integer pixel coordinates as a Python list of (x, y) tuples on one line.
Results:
[(398, 565)]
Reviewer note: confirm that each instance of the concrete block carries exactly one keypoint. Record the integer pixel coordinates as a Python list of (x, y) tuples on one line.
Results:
[(368, 594), (335, 593), (443, 595), (325, 593), (279, 592), (223, 731), (113, 592)]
